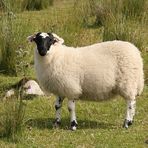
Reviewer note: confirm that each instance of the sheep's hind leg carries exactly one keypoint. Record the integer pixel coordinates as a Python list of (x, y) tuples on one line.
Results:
[(131, 106), (71, 108), (58, 105)]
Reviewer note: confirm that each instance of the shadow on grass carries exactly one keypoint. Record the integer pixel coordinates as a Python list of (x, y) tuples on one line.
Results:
[(43, 123), (88, 124), (40, 123)]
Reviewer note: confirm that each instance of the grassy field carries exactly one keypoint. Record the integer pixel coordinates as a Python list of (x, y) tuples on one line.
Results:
[(100, 123)]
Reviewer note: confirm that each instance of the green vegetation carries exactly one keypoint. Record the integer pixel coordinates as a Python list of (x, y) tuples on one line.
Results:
[(11, 119), (28, 123), (36, 4), (21, 5)]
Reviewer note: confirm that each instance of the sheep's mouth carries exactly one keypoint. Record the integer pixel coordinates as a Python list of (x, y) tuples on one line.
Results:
[(42, 52)]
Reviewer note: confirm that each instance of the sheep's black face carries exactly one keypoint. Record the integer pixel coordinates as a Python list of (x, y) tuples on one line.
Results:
[(43, 42)]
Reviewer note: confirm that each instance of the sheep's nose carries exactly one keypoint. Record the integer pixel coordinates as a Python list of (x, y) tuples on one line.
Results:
[(42, 52)]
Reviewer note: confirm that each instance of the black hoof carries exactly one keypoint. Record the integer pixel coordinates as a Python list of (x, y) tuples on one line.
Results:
[(73, 125), (127, 123)]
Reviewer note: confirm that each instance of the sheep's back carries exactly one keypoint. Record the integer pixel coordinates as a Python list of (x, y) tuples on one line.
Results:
[(99, 69), (112, 67)]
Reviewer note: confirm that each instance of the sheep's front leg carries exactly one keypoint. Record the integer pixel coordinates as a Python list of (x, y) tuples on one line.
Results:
[(71, 108), (58, 105), (131, 106)]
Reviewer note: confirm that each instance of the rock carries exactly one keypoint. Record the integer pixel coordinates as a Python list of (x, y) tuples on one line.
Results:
[(29, 87)]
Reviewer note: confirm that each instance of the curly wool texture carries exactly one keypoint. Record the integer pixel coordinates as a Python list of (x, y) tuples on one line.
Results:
[(94, 72)]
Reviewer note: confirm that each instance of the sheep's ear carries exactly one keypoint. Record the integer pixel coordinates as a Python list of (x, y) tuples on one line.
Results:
[(31, 38), (58, 39)]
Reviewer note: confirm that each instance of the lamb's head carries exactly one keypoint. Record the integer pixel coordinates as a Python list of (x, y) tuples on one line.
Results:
[(44, 41)]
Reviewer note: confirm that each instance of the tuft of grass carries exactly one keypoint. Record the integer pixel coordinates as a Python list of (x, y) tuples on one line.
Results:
[(36, 4), (134, 8), (122, 22), (122, 29), (13, 39), (21, 5), (85, 11), (7, 40), (11, 118), (10, 6)]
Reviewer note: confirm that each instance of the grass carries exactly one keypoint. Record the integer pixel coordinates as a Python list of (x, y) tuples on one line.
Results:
[(22, 5), (36, 5), (11, 119), (100, 123)]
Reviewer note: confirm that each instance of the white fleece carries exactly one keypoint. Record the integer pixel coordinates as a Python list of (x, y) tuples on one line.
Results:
[(94, 72)]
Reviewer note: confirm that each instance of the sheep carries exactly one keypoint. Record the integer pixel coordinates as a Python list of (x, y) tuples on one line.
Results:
[(95, 72)]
